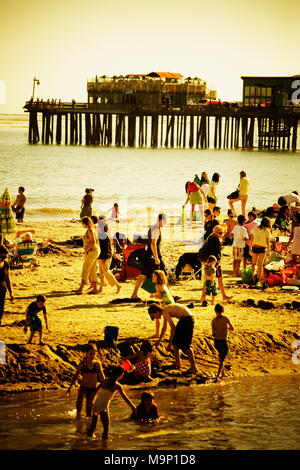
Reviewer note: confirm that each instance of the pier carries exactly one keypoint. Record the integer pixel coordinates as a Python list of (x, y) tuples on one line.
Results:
[(196, 126)]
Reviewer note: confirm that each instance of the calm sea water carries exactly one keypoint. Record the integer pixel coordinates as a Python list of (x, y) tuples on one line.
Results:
[(55, 177), (245, 414)]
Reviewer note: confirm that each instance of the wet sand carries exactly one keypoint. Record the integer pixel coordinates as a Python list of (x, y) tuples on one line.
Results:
[(261, 342)]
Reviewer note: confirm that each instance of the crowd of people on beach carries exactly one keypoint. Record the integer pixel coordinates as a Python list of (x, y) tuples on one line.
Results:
[(251, 237)]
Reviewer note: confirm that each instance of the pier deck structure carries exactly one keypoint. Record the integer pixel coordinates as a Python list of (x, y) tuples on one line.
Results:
[(227, 125)]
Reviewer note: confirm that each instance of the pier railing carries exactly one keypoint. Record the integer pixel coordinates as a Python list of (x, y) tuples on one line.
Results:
[(227, 125)]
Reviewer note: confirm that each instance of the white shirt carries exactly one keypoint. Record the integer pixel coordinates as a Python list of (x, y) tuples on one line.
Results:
[(205, 188), (239, 234), (290, 198)]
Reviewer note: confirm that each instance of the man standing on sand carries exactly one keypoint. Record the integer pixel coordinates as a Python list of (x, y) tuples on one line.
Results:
[(19, 205), (153, 259), (243, 189), (181, 335), (220, 325)]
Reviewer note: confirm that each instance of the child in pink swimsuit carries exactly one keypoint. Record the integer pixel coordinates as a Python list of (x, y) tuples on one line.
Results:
[(143, 362)]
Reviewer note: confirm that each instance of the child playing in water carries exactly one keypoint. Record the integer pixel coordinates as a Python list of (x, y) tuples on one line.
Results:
[(160, 280), (209, 285), (115, 211), (143, 362), (220, 326), (91, 372), (147, 409), (104, 396), (33, 319)]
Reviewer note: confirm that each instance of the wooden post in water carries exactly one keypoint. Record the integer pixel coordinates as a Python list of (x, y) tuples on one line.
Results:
[(167, 131), (52, 127), (155, 130), (251, 133), (47, 128), (145, 130), (295, 128), (36, 136), (244, 132), (123, 130), (33, 134), (216, 132), (87, 129), (43, 127), (109, 125), (191, 140), (131, 131), (172, 130), (237, 132), (225, 133), (58, 129), (71, 128), (80, 129)]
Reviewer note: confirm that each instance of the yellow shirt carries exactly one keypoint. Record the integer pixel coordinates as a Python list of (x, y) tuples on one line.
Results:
[(260, 236), (244, 186)]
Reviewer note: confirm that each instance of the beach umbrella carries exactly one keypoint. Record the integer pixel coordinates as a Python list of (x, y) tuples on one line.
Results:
[(7, 223)]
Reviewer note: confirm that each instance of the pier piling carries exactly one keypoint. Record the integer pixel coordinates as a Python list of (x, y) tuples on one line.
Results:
[(191, 126)]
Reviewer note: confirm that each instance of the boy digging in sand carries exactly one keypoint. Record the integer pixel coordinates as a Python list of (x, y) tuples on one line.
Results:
[(181, 336), (220, 325)]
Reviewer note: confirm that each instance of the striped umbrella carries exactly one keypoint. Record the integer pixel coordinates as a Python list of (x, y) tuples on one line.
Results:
[(7, 223)]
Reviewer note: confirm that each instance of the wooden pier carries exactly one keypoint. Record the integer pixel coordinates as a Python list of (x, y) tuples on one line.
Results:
[(201, 127)]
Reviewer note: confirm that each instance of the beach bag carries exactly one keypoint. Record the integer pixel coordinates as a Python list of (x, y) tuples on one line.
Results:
[(233, 195), (149, 286), (136, 258), (246, 275), (111, 333)]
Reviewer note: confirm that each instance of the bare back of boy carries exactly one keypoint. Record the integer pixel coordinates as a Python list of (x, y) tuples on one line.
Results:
[(220, 327)]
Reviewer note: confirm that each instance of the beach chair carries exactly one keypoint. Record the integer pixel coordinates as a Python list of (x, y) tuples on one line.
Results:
[(187, 270), (25, 254)]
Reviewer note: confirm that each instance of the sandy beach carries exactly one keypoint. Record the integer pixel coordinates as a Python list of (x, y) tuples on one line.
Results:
[(261, 342)]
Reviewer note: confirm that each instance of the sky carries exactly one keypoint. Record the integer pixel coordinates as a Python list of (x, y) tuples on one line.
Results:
[(63, 43)]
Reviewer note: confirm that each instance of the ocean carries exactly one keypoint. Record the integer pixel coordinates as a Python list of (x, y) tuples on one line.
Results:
[(260, 413), (55, 177)]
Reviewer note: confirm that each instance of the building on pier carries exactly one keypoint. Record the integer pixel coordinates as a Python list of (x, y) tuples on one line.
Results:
[(269, 91), (152, 89)]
